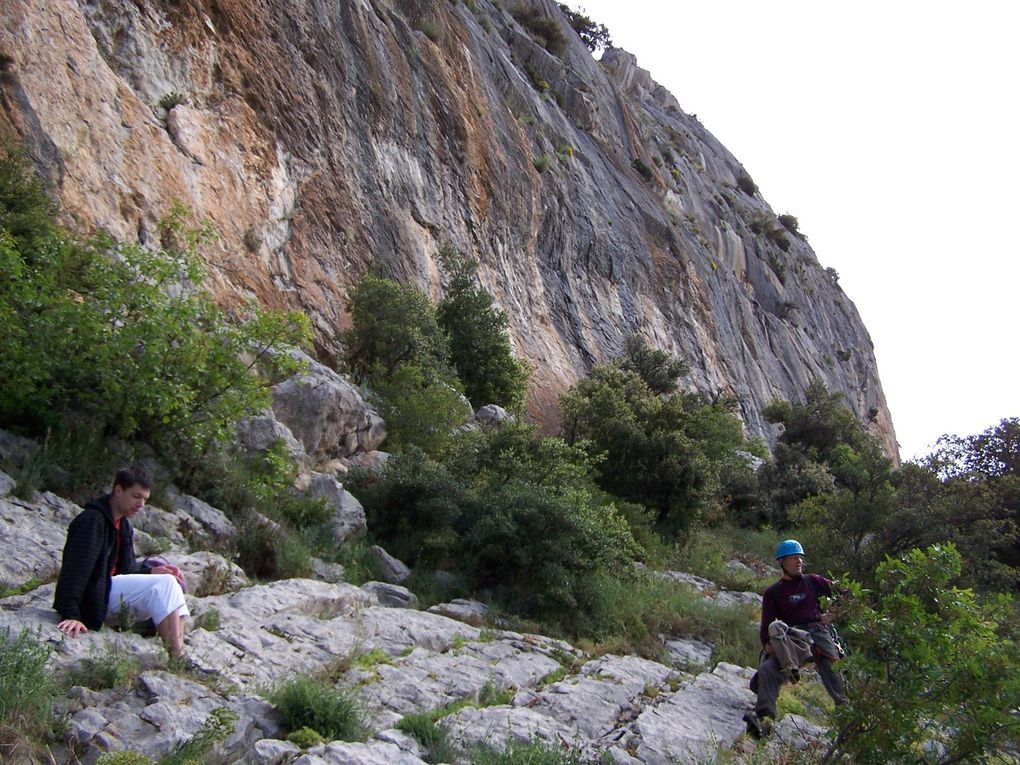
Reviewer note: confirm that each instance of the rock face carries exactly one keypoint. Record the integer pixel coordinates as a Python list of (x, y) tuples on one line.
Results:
[(322, 137)]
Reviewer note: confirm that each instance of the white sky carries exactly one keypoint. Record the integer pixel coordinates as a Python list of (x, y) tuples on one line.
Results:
[(892, 131)]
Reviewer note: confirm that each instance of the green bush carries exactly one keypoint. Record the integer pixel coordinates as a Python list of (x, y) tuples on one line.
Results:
[(433, 738), (666, 453), (660, 371), (933, 675), (542, 162), (628, 615), (27, 693), (790, 223), (510, 511), (421, 408), (643, 170), (480, 348), (419, 508), (595, 36), (745, 184), (310, 703), (122, 336), (305, 737)]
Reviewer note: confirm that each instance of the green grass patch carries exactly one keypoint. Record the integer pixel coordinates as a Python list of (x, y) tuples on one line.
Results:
[(311, 703), (524, 753), (631, 615), (371, 659), (109, 668)]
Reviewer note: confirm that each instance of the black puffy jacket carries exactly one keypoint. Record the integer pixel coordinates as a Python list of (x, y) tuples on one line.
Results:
[(83, 588)]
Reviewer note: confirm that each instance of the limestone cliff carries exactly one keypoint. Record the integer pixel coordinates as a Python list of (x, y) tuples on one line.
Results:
[(320, 136)]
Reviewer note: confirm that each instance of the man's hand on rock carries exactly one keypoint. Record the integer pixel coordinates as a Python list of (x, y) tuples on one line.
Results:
[(72, 627)]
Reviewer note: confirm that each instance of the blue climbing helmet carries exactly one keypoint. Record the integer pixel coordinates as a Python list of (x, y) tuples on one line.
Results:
[(788, 547)]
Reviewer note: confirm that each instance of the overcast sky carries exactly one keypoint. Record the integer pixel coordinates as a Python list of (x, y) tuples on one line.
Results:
[(891, 130)]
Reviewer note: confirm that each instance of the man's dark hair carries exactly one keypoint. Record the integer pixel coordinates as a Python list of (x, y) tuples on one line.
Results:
[(132, 476)]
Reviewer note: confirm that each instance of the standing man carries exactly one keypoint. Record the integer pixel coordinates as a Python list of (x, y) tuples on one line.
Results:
[(100, 576), (793, 600)]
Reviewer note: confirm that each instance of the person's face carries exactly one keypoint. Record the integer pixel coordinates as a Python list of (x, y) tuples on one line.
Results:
[(792, 565), (126, 503)]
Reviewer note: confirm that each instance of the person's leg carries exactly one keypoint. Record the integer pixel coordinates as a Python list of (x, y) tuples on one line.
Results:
[(171, 632), (770, 678), (832, 680), (153, 596)]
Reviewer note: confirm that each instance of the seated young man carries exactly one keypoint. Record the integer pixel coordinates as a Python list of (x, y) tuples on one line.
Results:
[(99, 575)]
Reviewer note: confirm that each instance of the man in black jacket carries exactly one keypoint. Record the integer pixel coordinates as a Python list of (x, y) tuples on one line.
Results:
[(100, 576)]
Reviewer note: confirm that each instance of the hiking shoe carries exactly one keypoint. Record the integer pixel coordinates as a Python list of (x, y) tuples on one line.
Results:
[(758, 727)]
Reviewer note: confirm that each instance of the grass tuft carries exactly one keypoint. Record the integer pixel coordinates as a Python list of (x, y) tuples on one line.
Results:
[(309, 703)]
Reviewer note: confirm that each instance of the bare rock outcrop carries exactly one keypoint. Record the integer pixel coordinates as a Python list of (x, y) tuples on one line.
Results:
[(319, 138)]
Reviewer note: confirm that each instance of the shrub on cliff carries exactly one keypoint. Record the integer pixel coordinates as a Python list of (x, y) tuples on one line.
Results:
[(595, 36), (543, 29), (479, 343), (121, 335)]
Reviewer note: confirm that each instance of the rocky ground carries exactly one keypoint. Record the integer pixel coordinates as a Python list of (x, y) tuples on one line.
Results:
[(245, 637)]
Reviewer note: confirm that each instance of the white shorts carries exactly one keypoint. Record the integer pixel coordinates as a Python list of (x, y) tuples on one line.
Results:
[(147, 596)]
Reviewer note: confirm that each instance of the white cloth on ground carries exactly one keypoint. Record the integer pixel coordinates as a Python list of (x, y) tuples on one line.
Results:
[(147, 596)]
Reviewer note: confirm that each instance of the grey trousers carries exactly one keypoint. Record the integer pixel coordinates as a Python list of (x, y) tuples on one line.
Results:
[(771, 677)]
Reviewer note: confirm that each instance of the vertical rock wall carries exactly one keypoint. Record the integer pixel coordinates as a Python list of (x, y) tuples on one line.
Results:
[(321, 136)]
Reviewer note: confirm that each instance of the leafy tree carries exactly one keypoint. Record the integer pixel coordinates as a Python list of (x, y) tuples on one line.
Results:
[(392, 325), (967, 491), (479, 344), (933, 676), (658, 369), (595, 36), (818, 425), (663, 452), (420, 407), (123, 336), (992, 454)]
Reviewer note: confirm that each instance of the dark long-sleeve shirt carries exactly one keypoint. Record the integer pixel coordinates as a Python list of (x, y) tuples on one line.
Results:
[(792, 601), (83, 587)]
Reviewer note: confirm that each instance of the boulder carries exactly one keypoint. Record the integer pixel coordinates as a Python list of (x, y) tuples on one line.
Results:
[(698, 583), (470, 611), (797, 732), (689, 654), (326, 413), (36, 530), (692, 724), (492, 416), (728, 598), (373, 461), (391, 595), (257, 435), (391, 569), (370, 753), (348, 516)]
